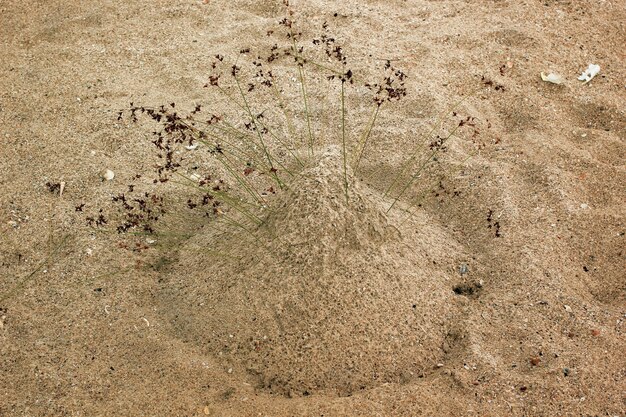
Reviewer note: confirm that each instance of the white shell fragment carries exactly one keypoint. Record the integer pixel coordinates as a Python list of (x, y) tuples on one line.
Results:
[(109, 175), (552, 78), (591, 71)]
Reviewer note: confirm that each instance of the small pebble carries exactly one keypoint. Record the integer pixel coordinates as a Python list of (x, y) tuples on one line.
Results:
[(109, 175), (566, 371), (463, 269)]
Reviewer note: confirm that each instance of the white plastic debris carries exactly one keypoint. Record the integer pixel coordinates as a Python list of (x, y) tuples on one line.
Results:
[(191, 147), (109, 175), (591, 71), (150, 241), (552, 78)]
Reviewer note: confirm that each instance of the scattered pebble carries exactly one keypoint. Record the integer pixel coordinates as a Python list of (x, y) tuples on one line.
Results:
[(568, 308), (463, 269), (535, 361), (566, 371), (552, 78), (591, 71), (584, 206), (109, 175), (595, 332)]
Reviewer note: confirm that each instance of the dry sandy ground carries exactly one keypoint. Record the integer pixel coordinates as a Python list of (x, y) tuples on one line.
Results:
[(363, 319)]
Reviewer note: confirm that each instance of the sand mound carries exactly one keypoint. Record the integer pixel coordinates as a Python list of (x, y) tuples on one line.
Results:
[(329, 296)]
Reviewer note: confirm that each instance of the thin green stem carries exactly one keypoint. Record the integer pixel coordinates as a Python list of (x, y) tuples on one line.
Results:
[(259, 134), (421, 196), (283, 107), (300, 65), (235, 204), (420, 169), (365, 138), (343, 140), (28, 277), (421, 144)]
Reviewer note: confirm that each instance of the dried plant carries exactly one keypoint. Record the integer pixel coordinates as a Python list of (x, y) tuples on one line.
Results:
[(237, 156)]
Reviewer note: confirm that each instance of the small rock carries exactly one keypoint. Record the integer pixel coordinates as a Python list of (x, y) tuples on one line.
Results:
[(535, 361), (595, 332), (568, 308), (584, 206), (463, 269), (566, 371), (109, 175)]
